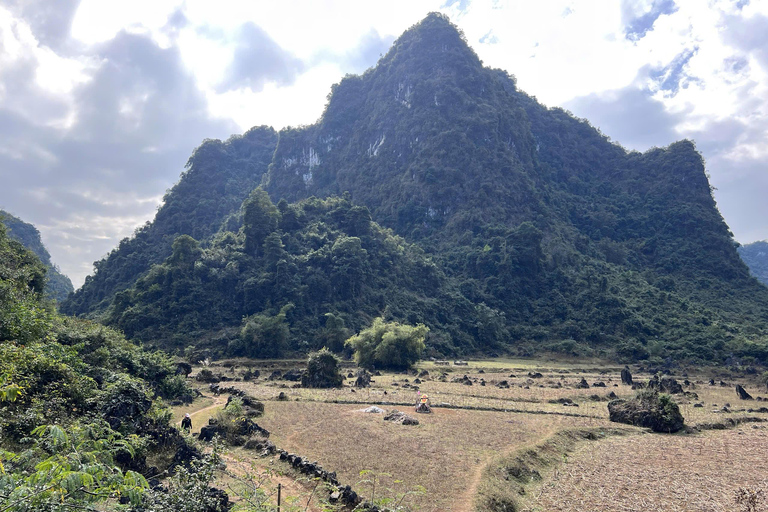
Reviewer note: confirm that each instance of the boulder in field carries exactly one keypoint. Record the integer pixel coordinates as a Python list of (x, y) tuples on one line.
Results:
[(363, 379), (648, 409), (742, 393), (400, 418), (626, 376)]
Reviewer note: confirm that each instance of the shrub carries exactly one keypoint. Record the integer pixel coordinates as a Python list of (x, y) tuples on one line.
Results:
[(389, 345), (322, 371)]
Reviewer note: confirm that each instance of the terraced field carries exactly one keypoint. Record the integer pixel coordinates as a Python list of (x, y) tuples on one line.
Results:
[(495, 419)]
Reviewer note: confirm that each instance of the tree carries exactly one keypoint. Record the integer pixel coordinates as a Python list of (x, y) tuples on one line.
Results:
[(260, 218), (262, 335), (389, 345)]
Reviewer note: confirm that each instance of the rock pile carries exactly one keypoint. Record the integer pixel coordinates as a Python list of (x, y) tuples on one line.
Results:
[(400, 418), (340, 494)]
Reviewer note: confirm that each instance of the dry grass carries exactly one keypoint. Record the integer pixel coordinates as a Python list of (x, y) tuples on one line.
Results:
[(659, 472), (448, 451), (442, 453)]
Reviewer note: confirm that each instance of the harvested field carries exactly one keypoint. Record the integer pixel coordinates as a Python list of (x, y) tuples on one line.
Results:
[(674, 473), (443, 453), (462, 454)]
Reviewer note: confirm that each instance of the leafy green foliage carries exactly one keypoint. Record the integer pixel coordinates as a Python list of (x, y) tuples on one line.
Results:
[(310, 280), (65, 470), (263, 335), (389, 345), (76, 417), (322, 370)]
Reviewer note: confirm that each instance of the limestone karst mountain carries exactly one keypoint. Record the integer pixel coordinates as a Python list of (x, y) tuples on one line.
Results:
[(523, 228)]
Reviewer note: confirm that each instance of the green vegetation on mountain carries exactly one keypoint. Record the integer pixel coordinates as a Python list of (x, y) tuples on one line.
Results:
[(80, 406), (524, 229), (218, 177), (294, 277), (57, 285), (755, 255)]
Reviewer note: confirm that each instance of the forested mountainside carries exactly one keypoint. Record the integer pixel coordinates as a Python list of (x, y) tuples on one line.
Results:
[(755, 255), (218, 177), (315, 271), (553, 237), (57, 285)]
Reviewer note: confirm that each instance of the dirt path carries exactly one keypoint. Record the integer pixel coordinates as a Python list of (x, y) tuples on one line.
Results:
[(466, 503), (218, 401)]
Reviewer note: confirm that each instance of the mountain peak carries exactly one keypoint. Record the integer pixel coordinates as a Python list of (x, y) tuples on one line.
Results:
[(434, 40)]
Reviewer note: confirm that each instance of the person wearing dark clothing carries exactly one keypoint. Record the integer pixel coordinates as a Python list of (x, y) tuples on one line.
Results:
[(186, 423)]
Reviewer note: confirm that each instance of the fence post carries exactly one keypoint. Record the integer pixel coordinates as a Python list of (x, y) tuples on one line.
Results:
[(279, 488)]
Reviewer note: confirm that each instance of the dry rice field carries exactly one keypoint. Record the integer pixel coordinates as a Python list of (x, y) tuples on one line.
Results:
[(452, 452)]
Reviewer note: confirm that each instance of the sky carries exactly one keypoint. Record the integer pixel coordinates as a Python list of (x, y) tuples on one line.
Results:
[(102, 102)]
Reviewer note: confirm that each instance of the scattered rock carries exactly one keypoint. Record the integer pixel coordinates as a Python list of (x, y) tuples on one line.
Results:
[(503, 385), (699, 404), (400, 418), (626, 376), (600, 384), (612, 395), (423, 374), (282, 396), (252, 408), (665, 385), (373, 409), (275, 375), (460, 363), (293, 375), (535, 375), (583, 384), (260, 444), (742, 393), (251, 374), (206, 375)]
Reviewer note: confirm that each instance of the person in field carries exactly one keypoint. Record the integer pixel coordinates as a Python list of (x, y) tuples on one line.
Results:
[(186, 423)]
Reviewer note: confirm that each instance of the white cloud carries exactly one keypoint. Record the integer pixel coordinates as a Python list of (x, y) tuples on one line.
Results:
[(122, 91)]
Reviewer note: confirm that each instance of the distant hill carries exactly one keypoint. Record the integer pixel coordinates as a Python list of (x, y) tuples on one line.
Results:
[(57, 285), (755, 255), (546, 235)]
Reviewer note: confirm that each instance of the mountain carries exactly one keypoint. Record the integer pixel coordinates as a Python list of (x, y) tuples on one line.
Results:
[(218, 177), (755, 255), (57, 285), (546, 234)]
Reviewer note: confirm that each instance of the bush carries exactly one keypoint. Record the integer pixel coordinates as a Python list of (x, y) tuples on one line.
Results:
[(322, 371), (389, 345), (262, 335)]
